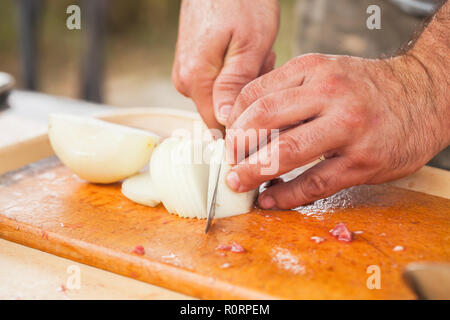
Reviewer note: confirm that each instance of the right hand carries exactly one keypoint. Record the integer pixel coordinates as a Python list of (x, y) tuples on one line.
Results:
[(223, 45)]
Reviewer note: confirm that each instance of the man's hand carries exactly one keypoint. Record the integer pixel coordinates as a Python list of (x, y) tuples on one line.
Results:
[(223, 45), (373, 120)]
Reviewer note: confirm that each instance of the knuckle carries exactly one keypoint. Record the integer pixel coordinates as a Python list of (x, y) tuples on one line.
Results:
[(307, 60), (250, 92), (263, 110), (313, 58), (353, 118), (178, 84), (233, 80), (184, 77), (334, 84), (366, 157), (289, 147), (313, 187)]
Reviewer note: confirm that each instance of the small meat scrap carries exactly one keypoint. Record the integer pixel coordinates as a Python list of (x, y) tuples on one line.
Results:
[(317, 239), (234, 247), (139, 250), (341, 232), (223, 247), (398, 248), (62, 288)]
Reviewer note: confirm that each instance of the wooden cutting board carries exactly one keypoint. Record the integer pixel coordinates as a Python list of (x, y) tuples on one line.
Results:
[(45, 206)]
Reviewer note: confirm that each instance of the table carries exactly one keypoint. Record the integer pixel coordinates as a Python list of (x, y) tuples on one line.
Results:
[(26, 273)]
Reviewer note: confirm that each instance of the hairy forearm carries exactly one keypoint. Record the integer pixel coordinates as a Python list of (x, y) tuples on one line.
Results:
[(422, 72), (431, 52), (416, 85)]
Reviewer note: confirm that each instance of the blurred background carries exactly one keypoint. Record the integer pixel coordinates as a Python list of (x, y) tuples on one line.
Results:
[(123, 54)]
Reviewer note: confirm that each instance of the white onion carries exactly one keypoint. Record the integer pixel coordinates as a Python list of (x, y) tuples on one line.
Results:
[(182, 183), (185, 184), (99, 151), (228, 202), (141, 189)]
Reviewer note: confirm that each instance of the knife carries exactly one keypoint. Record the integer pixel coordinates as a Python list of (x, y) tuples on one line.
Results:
[(429, 280), (212, 206)]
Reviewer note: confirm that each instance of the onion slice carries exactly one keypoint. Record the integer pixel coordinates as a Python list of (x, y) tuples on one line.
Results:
[(141, 189)]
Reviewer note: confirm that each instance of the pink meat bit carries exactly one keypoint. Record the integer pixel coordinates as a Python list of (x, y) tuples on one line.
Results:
[(341, 232), (139, 250), (223, 247), (62, 288), (234, 247)]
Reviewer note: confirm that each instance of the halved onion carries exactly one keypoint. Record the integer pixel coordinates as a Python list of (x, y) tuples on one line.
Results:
[(185, 181), (181, 181), (99, 151), (141, 189)]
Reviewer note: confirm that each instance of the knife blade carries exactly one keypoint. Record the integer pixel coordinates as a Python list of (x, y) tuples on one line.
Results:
[(429, 280), (212, 205)]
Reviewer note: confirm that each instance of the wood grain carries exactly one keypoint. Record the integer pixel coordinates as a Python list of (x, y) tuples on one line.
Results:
[(47, 207)]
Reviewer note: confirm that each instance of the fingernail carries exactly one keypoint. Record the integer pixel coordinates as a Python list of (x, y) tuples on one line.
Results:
[(267, 202), (224, 111), (233, 180)]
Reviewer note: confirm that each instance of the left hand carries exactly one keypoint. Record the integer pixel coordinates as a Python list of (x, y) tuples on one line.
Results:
[(373, 120)]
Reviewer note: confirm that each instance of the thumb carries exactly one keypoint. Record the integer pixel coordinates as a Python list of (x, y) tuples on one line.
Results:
[(237, 71)]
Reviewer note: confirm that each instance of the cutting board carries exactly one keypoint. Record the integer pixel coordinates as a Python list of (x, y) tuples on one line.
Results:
[(45, 206)]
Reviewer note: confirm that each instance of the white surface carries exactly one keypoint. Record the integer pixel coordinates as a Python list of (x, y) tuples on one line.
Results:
[(27, 273)]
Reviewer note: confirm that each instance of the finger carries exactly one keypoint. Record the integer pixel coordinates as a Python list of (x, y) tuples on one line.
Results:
[(323, 180), (238, 70), (280, 111), (269, 63), (292, 74), (196, 68), (202, 96), (293, 148), (196, 82)]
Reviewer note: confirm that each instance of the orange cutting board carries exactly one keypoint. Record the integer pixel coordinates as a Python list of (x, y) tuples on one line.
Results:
[(45, 206)]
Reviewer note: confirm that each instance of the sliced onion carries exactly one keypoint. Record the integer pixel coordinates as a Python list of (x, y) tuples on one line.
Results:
[(228, 202), (99, 151), (181, 182), (141, 189), (185, 186)]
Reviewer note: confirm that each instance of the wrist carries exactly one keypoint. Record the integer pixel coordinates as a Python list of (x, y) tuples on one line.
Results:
[(424, 85)]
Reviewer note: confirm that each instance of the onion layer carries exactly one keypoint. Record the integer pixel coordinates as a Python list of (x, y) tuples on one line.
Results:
[(140, 189), (185, 184)]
